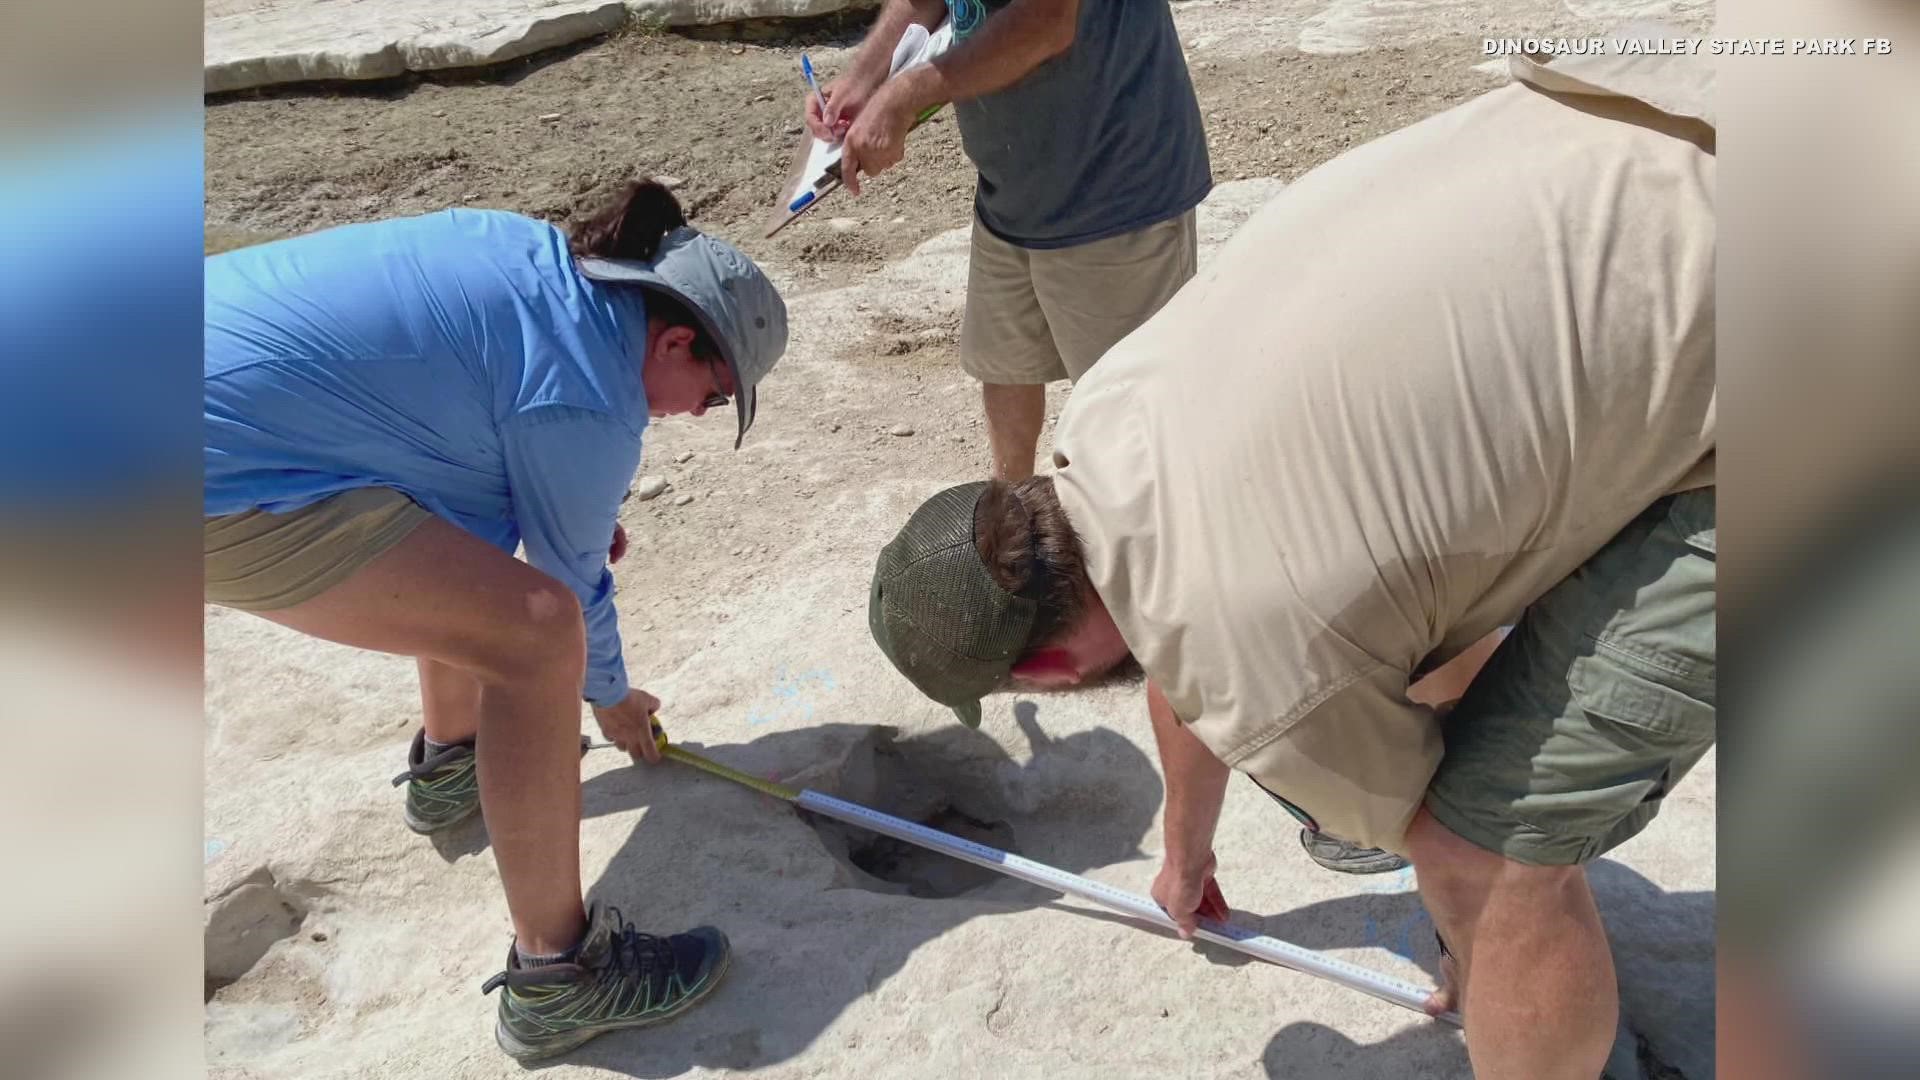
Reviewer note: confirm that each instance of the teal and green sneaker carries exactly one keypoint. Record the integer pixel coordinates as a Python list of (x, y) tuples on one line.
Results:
[(617, 978), (443, 789)]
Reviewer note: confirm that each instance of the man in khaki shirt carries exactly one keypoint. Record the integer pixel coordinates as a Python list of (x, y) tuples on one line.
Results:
[(1458, 379)]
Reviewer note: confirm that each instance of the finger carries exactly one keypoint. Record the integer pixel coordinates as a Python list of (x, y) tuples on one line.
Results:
[(1182, 924), (818, 126), (648, 747), (850, 169)]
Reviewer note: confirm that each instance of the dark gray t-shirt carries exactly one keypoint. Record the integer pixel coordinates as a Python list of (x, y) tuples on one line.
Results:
[(1103, 139)]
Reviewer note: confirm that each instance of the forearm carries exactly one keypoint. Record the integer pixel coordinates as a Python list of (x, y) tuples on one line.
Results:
[(606, 678), (1007, 46), (875, 56), (1196, 785)]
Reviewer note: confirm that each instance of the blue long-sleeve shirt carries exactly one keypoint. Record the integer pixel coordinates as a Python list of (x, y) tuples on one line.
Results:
[(458, 357)]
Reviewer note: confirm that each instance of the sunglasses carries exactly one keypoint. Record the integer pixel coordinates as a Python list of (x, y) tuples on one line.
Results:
[(716, 399)]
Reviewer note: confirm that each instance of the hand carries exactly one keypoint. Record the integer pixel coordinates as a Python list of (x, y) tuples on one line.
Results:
[(629, 725), (877, 140), (619, 547), (1187, 893), (846, 96)]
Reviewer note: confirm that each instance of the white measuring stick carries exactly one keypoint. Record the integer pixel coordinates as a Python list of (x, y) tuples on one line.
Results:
[(1265, 948)]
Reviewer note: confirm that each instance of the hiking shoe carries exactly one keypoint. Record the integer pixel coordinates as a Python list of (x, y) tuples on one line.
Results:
[(1347, 857), (618, 978), (443, 789)]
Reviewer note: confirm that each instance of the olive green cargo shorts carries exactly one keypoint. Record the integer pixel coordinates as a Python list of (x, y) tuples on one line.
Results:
[(1598, 702)]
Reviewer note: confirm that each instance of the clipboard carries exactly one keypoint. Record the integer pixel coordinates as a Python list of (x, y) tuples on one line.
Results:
[(816, 162)]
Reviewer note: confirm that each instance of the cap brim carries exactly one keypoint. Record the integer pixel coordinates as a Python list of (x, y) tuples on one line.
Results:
[(968, 712), (743, 404), (614, 270)]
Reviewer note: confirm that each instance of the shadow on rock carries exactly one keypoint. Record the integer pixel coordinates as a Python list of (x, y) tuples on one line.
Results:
[(461, 841), (1663, 947), (1308, 1051), (795, 893)]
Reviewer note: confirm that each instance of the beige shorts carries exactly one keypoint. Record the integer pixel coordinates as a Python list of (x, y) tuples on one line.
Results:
[(1039, 316), (257, 561)]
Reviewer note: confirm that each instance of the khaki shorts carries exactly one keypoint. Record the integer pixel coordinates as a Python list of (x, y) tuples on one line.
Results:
[(1597, 704), (256, 561), (1039, 316)]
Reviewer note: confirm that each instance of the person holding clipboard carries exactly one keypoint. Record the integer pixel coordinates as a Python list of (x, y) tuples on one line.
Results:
[(1081, 120)]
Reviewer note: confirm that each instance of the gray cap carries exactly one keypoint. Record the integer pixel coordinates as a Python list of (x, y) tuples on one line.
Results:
[(740, 308)]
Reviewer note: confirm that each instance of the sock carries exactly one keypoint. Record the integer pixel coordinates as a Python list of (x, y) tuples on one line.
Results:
[(438, 747), (532, 960)]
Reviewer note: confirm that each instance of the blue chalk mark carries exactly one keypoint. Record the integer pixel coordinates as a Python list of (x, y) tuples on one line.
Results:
[(1400, 881), (1402, 945), (215, 849), (792, 695)]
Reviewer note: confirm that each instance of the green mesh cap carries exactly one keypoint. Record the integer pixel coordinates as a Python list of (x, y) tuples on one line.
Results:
[(939, 615)]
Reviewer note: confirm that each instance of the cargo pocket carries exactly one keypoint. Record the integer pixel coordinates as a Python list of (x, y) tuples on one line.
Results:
[(1629, 737), (1691, 514)]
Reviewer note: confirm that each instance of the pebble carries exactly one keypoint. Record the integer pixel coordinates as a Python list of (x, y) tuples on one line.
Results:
[(902, 430), (899, 221), (668, 182), (794, 129), (651, 487), (683, 500), (683, 457), (548, 118), (843, 224), (319, 935)]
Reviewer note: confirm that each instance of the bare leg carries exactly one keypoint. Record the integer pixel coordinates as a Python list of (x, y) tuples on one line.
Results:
[(1015, 415), (442, 595), (1532, 973), (450, 702)]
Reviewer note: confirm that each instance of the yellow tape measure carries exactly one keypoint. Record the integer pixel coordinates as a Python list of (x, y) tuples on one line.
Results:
[(706, 765)]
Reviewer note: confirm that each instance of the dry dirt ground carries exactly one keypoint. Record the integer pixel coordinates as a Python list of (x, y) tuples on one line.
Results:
[(554, 135), (352, 948)]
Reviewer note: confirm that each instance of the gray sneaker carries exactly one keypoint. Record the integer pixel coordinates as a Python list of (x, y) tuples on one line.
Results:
[(1347, 857), (442, 789), (618, 978)]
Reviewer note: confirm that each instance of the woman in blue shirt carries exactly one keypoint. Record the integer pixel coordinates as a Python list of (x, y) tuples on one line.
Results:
[(392, 409)]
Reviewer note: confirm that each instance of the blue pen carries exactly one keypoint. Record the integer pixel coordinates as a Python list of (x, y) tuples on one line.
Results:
[(806, 68)]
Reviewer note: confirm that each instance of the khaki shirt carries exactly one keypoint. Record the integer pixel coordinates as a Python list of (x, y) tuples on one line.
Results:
[(1410, 395)]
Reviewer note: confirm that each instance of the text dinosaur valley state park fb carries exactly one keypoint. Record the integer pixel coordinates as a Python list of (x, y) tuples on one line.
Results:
[(1686, 46)]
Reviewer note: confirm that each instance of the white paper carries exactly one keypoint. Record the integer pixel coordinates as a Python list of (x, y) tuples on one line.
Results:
[(916, 47)]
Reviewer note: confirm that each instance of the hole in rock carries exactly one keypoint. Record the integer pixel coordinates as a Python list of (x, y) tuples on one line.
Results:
[(924, 788)]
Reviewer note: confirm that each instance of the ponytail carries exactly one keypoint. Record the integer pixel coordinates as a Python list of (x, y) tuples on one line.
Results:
[(631, 226)]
